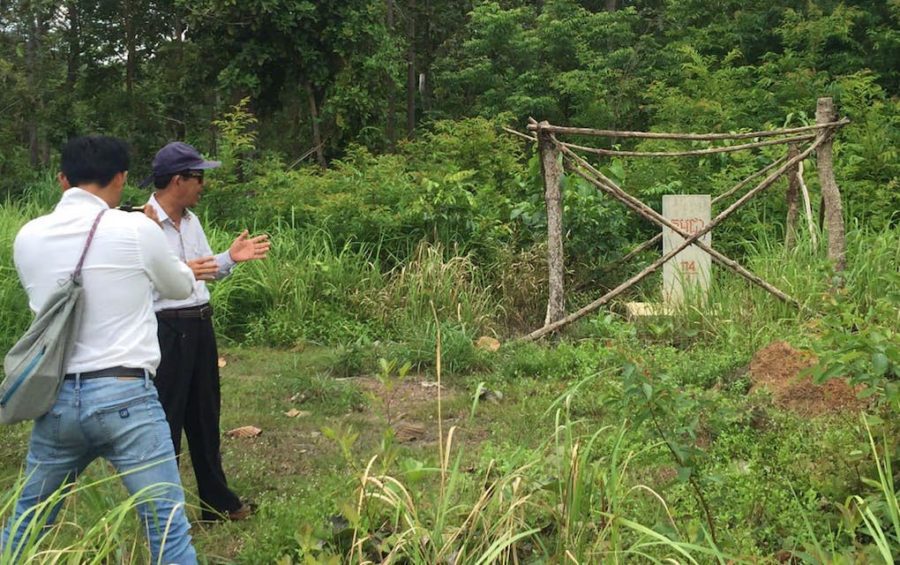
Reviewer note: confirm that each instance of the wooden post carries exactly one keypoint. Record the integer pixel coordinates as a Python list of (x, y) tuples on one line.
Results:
[(831, 195), (556, 305), (411, 68), (790, 223), (314, 118)]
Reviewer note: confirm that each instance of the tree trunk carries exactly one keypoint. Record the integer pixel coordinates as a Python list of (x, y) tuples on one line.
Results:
[(790, 223), (556, 305), (178, 110), (389, 127), (73, 40), (73, 61), (831, 194), (130, 48), (317, 136), (411, 68), (33, 70), (610, 5), (425, 59)]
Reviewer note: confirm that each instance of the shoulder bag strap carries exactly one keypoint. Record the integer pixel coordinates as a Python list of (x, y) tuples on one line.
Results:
[(76, 276)]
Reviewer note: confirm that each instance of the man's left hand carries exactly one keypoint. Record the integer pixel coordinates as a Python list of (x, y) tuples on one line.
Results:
[(246, 248)]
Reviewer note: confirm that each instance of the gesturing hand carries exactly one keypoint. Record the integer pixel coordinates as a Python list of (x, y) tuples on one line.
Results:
[(204, 268), (246, 248)]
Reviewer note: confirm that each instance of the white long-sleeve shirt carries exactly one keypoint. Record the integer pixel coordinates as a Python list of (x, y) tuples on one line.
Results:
[(188, 241), (128, 260)]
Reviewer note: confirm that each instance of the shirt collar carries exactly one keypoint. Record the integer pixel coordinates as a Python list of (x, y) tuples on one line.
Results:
[(78, 196), (161, 213)]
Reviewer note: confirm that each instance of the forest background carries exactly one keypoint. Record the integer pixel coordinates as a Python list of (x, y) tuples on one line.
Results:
[(396, 105)]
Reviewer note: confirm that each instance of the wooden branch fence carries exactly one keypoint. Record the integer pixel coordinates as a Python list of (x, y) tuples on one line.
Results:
[(813, 138)]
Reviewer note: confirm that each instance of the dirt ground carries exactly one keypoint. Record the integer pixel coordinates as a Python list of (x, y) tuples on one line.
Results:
[(777, 369), (408, 406)]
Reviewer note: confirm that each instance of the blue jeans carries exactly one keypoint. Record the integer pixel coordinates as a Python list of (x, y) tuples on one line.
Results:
[(121, 420)]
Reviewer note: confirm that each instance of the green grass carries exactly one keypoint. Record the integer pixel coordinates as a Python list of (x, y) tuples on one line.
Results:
[(554, 455), (582, 475)]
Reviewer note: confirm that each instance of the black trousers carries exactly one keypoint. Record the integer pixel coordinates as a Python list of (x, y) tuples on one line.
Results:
[(189, 390)]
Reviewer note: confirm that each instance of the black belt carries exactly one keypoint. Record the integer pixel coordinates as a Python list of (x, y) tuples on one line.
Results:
[(110, 372), (204, 312)]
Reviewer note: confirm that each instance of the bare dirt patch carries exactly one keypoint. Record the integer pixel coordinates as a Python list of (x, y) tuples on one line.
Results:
[(408, 406), (776, 368), (408, 395)]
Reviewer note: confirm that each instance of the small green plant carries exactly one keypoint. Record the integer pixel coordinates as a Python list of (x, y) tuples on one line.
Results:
[(390, 376), (862, 346), (674, 419)]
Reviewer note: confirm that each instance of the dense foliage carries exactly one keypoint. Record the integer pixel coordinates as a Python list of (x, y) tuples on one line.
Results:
[(368, 72)]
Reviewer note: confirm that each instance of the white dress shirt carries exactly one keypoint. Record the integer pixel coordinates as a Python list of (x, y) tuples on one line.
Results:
[(127, 262), (189, 242)]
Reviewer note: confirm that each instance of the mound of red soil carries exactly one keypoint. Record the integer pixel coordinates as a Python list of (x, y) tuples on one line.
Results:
[(776, 368)]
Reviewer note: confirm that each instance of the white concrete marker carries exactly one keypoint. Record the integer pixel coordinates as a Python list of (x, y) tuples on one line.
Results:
[(688, 272)]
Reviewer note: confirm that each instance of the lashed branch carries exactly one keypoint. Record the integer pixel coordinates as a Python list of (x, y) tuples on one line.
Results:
[(519, 134), (533, 126), (749, 179), (635, 252), (707, 151), (656, 238), (537, 334), (608, 186)]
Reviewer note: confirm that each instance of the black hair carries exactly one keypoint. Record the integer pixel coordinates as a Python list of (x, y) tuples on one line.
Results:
[(162, 181), (94, 159)]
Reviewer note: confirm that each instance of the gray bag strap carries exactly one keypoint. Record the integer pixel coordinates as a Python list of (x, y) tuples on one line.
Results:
[(76, 276)]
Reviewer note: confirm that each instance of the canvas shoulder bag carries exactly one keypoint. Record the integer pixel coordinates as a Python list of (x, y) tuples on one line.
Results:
[(36, 364)]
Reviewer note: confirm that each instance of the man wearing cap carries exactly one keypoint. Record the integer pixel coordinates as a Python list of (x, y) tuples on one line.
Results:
[(188, 376)]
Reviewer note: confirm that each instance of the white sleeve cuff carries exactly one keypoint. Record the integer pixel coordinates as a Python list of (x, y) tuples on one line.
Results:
[(225, 263)]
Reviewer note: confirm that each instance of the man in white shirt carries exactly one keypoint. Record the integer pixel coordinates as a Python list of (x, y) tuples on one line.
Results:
[(188, 376), (107, 406)]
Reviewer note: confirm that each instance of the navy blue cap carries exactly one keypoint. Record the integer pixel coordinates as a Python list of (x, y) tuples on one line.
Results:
[(177, 157)]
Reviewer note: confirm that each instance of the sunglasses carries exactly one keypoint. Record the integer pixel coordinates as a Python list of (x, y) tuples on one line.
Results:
[(192, 175)]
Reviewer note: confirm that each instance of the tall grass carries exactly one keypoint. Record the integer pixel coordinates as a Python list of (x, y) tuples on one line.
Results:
[(871, 523), (95, 525), (578, 515), (444, 514), (14, 313), (313, 289), (309, 289), (746, 316)]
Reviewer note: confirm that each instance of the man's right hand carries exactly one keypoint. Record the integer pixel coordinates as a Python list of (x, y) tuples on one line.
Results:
[(204, 268)]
